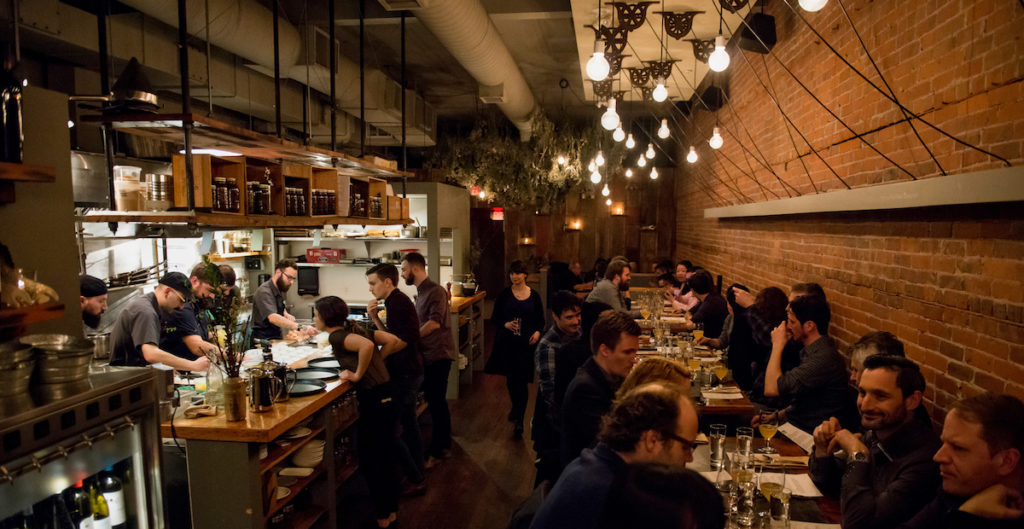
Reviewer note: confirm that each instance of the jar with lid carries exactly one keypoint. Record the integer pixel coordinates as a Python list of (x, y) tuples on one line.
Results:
[(233, 195), (301, 198), (251, 196), (265, 199), (220, 200), (289, 201)]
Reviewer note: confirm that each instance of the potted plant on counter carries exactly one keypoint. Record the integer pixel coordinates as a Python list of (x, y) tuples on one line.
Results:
[(231, 336)]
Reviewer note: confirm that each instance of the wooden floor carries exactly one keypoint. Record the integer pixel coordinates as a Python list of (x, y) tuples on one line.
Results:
[(489, 473)]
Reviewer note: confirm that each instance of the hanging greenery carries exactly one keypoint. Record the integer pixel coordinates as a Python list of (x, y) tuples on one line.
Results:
[(527, 174)]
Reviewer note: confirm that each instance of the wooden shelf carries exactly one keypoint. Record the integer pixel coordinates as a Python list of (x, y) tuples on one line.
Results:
[(32, 314), (306, 518), (229, 220), (346, 473), (295, 488), (215, 257), (19, 172), (214, 134), (281, 452)]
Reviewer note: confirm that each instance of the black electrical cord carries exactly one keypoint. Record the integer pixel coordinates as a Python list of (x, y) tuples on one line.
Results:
[(174, 409)]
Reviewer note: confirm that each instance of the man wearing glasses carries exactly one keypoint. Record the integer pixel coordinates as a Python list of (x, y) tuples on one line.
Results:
[(654, 423), (269, 317), (137, 330)]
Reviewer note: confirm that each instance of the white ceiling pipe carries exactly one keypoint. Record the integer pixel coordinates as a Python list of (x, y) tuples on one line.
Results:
[(466, 30)]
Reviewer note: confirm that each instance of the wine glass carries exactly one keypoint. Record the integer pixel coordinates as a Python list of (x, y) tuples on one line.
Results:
[(721, 370), (769, 483), (698, 332), (768, 426)]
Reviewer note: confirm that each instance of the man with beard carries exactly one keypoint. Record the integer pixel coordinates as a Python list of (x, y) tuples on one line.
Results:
[(136, 333), (435, 344), (185, 332), (609, 290), (888, 474), (269, 316), (93, 292)]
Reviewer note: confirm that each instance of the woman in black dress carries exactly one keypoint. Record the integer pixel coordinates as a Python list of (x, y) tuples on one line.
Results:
[(519, 319), (363, 366)]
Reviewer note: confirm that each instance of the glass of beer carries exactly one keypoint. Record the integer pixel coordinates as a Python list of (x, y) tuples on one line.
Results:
[(698, 332), (768, 426)]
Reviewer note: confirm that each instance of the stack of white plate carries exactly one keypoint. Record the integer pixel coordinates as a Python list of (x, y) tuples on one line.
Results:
[(310, 455)]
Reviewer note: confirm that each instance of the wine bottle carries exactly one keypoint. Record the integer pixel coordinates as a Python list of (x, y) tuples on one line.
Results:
[(100, 514), (113, 493), (11, 137), (79, 506)]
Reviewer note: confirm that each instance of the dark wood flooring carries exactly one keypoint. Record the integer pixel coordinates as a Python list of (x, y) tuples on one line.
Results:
[(489, 473)]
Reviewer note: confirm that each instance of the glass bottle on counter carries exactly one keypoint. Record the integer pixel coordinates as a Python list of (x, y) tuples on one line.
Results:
[(113, 494), (11, 136), (100, 514), (79, 506)]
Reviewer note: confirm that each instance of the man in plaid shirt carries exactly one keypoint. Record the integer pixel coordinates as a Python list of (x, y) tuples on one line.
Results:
[(560, 352)]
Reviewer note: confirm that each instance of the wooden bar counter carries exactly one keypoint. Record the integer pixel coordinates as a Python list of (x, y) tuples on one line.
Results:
[(467, 326)]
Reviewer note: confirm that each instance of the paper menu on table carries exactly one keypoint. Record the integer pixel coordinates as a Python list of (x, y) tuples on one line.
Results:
[(721, 395), (803, 439)]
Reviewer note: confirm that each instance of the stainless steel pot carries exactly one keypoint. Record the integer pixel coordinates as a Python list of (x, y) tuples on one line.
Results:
[(16, 364), (60, 358), (101, 346)]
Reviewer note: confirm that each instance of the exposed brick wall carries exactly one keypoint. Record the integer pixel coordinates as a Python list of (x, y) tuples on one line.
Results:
[(947, 281)]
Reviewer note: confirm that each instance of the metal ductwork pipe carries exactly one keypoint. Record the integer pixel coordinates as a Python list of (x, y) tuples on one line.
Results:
[(466, 30)]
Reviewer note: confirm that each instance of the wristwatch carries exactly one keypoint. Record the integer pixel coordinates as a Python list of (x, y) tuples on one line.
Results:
[(859, 457)]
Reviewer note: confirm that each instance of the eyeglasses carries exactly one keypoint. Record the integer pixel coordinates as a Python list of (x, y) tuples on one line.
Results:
[(291, 278), (687, 444), (181, 298)]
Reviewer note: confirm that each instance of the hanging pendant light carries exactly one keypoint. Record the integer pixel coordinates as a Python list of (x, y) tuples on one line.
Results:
[(650, 151), (597, 66), (692, 155), (654, 173), (629, 173), (630, 142), (592, 166), (719, 59), (483, 194), (619, 134), (561, 160), (605, 191), (610, 118), (812, 5), (595, 177), (608, 202), (599, 159), (660, 93), (716, 140), (641, 161), (663, 132)]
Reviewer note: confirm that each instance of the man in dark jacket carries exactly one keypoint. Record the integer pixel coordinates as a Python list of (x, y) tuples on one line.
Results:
[(982, 471), (614, 342), (888, 474)]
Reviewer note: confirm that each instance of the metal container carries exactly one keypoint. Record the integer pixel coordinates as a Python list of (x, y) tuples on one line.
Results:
[(16, 364), (159, 192), (60, 358), (263, 388), (101, 346), (410, 232)]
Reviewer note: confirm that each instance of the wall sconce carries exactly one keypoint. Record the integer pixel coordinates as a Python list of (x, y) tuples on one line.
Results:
[(527, 241), (618, 209), (573, 224)]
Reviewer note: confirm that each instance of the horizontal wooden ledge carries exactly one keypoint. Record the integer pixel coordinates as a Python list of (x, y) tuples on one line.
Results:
[(19, 172), (228, 220), (982, 187)]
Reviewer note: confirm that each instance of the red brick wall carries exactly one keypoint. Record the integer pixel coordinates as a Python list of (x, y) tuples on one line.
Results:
[(947, 281)]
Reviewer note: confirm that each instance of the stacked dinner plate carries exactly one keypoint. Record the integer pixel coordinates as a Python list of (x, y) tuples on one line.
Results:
[(310, 455)]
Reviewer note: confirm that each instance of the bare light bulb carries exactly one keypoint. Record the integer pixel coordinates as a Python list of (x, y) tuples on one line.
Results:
[(599, 159), (629, 173), (650, 151), (641, 161), (692, 155), (597, 66), (716, 140), (619, 134), (719, 59), (483, 194), (812, 5), (663, 131), (630, 143), (561, 160), (610, 118), (595, 177), (654, 173), (660, 93), (605, 191), (608, 202), (592, 166)]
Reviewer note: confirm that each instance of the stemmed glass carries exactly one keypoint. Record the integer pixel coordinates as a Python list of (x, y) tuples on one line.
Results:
[(768, 426)]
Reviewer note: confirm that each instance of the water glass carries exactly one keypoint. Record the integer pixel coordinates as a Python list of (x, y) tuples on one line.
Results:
[(745, 504), (780, 509), (717, 445), (727, 488), (744, 439)]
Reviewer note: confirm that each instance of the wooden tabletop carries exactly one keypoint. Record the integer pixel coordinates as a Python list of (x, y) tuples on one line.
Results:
[(462, 303), (742, 407)]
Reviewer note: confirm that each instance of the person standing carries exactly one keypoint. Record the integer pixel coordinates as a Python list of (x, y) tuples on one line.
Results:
[(518, 318), (137, 330), (269, 315), (432, 308), (93, 292), (405, 365), (184, 333), (363, 366)]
